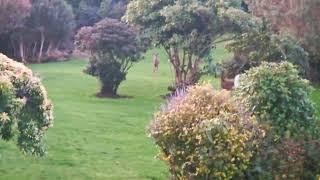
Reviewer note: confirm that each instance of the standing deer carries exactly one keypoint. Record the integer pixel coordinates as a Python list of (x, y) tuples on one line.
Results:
[(156, 62)]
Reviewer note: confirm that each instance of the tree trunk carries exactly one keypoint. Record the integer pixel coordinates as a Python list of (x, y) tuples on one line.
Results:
[(108, 91), (21, 49), (14, 47), (183, 68), (57, 46), (176, 65), (34, 49), (189, 67), (41, 46), (194, 72), (186, 70), (49, 48)]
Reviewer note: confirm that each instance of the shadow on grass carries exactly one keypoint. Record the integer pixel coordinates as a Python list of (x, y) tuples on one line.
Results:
[(112, 96)]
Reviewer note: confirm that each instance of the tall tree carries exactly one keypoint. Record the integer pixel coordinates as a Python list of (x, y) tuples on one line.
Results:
[(74, 3), (49, 24), (88, 13), (311, 14), (301, 18), (186, 29), (61, 25), (113, 8), (9, 18), (40, 26), (114, 48), (11, 21)]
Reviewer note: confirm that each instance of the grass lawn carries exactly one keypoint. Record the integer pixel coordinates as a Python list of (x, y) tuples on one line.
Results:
[(316, 99), (96, 138)]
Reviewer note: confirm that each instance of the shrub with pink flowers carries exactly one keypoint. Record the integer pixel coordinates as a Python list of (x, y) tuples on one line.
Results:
[(25, 110), (202, 134)]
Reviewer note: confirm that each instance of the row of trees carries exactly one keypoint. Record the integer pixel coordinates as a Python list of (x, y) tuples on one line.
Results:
[(185, 29), (44, 29), (188, 30), (88, 12), (40, 28)]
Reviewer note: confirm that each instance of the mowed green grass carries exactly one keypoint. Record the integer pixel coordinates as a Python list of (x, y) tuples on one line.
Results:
[(96, 138)]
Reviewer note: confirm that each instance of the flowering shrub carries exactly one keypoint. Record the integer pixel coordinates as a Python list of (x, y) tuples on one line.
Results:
[(203, 135), (25, 110)]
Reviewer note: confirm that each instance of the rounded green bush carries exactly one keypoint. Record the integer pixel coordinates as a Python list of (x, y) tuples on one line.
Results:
[(25, 109), (280, 100), (277, 95)]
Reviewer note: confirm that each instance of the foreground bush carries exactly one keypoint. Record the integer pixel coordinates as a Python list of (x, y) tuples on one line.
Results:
[(203, 135), (266, 130), (32, 30), (278, 95), (280, 100), (25, 110)]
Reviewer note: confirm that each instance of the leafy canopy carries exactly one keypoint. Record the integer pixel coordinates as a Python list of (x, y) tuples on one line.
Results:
[(277, 95), (186, 24), (186, 29), (114, 47), (9, 18)]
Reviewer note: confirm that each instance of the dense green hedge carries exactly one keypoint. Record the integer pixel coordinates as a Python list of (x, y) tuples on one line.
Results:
[(276, 94), (280, 99)]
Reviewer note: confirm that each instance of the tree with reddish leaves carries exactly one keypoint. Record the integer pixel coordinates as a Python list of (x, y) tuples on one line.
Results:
[(40, 29), (11, 21), (114, 48), (301, 18), (9, 18), (285, 15)]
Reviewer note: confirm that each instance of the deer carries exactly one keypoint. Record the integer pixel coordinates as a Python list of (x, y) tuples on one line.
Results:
[(226, 83), (156, 62)]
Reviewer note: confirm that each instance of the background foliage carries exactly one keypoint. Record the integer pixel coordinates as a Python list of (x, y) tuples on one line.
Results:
[(278, 95), (280, 99)]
